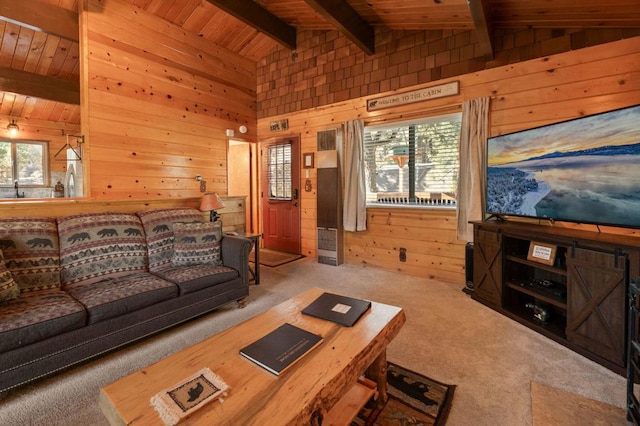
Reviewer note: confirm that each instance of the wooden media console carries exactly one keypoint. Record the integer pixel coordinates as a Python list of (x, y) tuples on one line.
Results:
[(567, 284)]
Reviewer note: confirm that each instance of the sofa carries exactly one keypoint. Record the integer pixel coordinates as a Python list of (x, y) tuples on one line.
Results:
[(78, 286)]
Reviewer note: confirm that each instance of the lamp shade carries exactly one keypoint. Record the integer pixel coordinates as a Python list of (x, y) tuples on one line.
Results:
[(211, 201), (13, 128)]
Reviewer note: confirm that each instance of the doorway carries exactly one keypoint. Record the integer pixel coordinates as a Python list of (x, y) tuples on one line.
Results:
[(280, 194), (243, 179)]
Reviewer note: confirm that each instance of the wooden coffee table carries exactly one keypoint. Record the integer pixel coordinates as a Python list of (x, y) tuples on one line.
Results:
[(308, 389)]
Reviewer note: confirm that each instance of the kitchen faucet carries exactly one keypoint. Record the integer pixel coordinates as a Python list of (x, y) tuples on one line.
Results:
[(15, 185)]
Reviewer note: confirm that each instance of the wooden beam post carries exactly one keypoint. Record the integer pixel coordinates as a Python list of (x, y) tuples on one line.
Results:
[(253, 14), (85, 129), (483, 26), (342, 16), (42, 16), (39, 86)]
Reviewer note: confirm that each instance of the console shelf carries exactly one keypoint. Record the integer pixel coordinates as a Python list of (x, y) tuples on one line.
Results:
[(553, 329), (577, 298), (537, 265), (558, 301)]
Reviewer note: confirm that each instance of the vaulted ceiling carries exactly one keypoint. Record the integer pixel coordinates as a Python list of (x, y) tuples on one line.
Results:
[(39, 50), (39, 69)]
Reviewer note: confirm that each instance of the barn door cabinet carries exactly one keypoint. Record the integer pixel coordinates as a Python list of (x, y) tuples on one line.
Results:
[(576, 296), (487, 270)]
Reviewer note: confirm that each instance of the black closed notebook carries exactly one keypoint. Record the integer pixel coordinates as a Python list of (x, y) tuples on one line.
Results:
[(281, 348), (340, 309)]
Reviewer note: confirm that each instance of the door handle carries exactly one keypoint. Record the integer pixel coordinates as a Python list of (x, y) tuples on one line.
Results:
[(295, 194)]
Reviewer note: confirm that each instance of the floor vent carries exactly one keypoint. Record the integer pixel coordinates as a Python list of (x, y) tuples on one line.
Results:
[(327, 239), (328, 246), (328, 260)]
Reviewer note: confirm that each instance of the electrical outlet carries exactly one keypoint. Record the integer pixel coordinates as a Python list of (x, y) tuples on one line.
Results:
[(203, 186), (403, 254)]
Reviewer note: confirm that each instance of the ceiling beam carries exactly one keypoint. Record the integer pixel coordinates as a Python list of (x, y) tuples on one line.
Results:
[(483, 26), (41, 16), (39, 86), (253, 14), (342, 16)]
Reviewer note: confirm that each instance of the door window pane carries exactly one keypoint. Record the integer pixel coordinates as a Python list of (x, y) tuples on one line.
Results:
[(279, 171)]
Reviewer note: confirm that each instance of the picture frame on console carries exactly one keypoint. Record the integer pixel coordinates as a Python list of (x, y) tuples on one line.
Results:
[(542, 253)]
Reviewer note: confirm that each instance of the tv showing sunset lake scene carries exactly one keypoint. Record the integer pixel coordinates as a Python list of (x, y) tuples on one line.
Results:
[(583, 170)]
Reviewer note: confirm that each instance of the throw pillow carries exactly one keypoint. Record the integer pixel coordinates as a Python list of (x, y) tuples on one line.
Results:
[(197, 243), (8, 288)]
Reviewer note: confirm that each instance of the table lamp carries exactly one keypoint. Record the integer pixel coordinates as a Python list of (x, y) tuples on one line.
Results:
[(211, 202)]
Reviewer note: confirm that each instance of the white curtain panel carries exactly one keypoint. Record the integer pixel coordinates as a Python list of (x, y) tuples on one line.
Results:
[(355, 194), (473, 157)]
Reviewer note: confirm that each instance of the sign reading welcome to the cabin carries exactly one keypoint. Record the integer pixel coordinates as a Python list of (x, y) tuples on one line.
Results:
[(433, 92)]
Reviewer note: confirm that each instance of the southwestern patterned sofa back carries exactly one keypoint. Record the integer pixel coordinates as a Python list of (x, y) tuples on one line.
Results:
[(77, 286)]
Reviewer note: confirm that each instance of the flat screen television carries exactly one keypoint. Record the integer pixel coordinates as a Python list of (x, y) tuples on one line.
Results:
[(583, 170)]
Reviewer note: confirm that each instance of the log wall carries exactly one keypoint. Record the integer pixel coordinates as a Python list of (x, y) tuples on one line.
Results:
[(523, 95), (156, 102)]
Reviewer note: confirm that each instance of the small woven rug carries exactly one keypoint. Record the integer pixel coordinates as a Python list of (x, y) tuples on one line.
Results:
[(177, 402), (414, 399), (273, 258)]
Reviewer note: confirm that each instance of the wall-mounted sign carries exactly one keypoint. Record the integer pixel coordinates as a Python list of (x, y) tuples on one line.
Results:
[(434, 92), (275, 126)]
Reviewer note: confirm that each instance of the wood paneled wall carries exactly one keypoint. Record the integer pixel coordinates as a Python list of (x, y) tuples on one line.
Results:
[(523, 95), (156, 102), (67, 206), (232, 215)]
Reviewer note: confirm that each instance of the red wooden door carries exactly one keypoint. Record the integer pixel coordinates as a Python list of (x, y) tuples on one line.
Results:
[(280, 195)]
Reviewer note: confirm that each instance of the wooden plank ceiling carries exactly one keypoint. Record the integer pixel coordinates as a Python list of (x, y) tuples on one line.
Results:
[(39, 66)]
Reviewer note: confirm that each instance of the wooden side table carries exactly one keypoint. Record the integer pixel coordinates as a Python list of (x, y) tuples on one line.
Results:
[(255, 238)]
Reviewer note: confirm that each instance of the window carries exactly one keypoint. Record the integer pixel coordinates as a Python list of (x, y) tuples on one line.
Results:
[(24, 161), (279, 171), (413, 163)]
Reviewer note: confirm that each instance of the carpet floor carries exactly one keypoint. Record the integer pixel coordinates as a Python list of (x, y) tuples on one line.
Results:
[(448, 337)]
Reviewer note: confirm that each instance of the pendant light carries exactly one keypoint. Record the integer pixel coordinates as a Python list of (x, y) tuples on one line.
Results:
[(13, 128)]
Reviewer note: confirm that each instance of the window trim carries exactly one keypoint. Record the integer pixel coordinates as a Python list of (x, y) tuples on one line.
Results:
[(46, 181)]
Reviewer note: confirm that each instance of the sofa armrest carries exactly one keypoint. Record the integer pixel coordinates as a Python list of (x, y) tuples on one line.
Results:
[(235, 254)]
